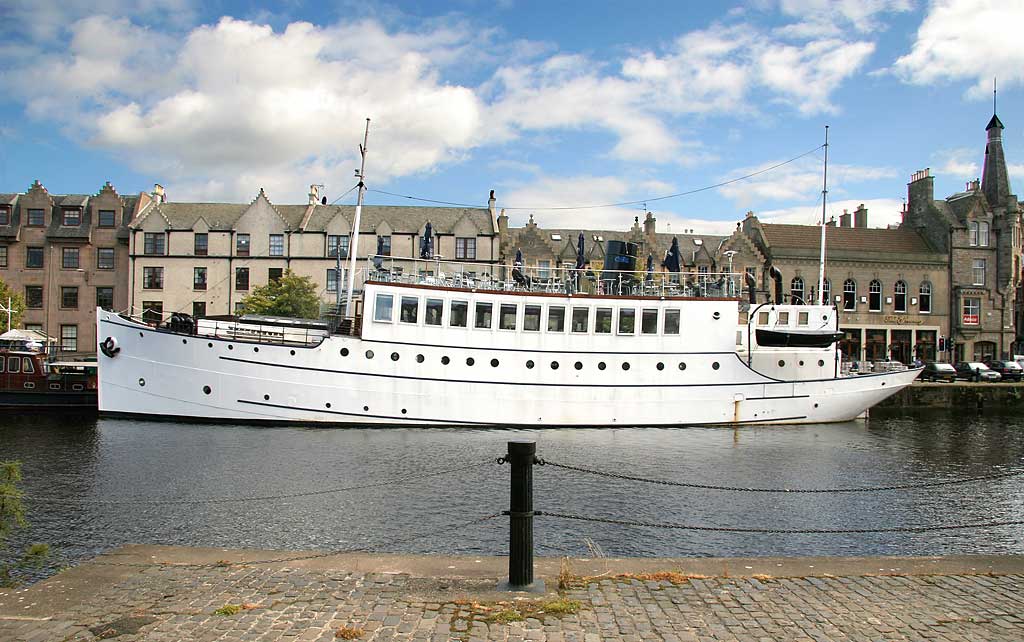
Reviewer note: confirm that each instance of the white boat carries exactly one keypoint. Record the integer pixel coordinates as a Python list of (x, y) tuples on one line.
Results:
[(453, 350)]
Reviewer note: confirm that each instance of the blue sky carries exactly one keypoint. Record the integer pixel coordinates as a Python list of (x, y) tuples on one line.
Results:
[(552, 105)]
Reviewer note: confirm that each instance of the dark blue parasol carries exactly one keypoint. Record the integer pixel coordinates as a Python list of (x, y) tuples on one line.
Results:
[(427, 242), (581, 257), (519, 258), (672, 257), (650, 268)]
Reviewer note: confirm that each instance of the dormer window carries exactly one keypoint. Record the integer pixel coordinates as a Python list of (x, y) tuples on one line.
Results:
[(106, 218), (5, 216), (72, 217), (36, 218)]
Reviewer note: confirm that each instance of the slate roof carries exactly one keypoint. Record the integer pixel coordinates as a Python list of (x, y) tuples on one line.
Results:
[(596, 249), (843, 241), (8, 199)]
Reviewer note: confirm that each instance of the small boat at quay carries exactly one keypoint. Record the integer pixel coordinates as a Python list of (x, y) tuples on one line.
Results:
[(441, 344), (31, 377)]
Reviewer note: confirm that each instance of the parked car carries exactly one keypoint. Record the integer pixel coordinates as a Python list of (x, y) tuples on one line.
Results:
[(938, 371), (976, 371), (1008, 370)]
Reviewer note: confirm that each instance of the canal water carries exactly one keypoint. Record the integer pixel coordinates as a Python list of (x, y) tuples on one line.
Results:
[(94, 484)]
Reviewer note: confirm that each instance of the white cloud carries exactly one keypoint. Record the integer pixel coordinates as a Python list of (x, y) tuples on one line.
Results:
[(959, 163), (974, 40), (818, 18), (882, 212), (800, 180)]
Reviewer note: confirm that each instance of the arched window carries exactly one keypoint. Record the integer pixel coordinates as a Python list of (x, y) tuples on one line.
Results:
[(899, 298), (925, 298), (983, 234), (972, 228), (826, 291), (875, 296), (849, 294), (796, 291)]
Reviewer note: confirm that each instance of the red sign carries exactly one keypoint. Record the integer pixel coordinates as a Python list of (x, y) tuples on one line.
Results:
[(970, 319)]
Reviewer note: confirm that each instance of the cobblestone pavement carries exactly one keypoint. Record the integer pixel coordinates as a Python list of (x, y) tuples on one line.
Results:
[(165, 603)]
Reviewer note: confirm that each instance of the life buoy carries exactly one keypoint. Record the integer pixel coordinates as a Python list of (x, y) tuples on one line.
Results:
[(109, 347)]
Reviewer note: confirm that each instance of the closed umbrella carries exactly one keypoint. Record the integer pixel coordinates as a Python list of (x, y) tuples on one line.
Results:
[(378, 261), (650, 268), (672, 257), (427, 242), (581, 257)]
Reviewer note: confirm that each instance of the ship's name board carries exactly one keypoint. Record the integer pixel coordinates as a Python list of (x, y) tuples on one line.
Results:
[(901, 320)]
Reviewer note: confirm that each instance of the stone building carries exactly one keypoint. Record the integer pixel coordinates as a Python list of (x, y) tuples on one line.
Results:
[(204, 258), (67, 254), (979, 230)]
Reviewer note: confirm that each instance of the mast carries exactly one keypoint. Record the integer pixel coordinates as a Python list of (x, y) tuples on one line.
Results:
[(824, 195), (354, 245)]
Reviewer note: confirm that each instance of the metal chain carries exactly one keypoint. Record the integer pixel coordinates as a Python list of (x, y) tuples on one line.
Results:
[(871, 489), (228, 500), (311, 556), (783, 531)]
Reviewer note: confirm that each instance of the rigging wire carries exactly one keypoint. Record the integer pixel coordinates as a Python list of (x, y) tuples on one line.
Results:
[(621, 204)]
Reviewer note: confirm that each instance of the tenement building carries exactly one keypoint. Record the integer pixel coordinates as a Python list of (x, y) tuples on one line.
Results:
[(67, 254)]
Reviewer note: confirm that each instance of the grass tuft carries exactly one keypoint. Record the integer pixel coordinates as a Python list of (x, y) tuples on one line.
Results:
[(229, 609), (348, 633)]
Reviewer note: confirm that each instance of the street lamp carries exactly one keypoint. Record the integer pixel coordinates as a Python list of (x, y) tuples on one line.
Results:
[(732, 285)]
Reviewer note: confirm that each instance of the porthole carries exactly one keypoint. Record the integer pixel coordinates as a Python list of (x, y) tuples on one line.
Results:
[(344, 352), (207, 390), (266, 397), (30, 385), (142, 382), (782, 363), (369, 354), (815, 405), (420, 358), (601, 365), (54, 386), (625, 365), (716, 316), (328, 404), (821, 362), (209, 345), (75, 386), (470, 361), (682, 365), (292, 352), (255, 349), (366, 408), (554, 365), (231, 347), (184, 341), (445, 360), (494, 363), (529, 365), (715, 366), (394, 356), (661, 366), (140, 334), (404, 411), (578, 365), (801, 362), (883, 383)]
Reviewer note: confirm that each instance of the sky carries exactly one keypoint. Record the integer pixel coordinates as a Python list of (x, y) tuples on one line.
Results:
[(562, 108)]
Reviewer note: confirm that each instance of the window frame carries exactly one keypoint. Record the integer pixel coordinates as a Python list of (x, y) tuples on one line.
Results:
[(385, 244), (102, 252), (390, 307), (644, 314), (978, 266), (147, 280), (899, 298), (875, 291), (239, 271), (37, 252), (4, 256), (197, 283), (65, 337), (341, 242), (539, 312), (200, 249), (154, 243), (924, 294), (576, 309), (152, 311), (101, 215), (462, 315), (332, 284), (29, 299), (67, 253), (30, 215), (503, 316), (671, 313), (402, 302), (478, 308), (622, 314), (465, 248), (849, 295), (5, 215), (275, 245), (99, 304), (793, 289), (198, 312), (983, 233), (73, 214), (243, 244), (432, 304), (966, 306), (606, 315), (560, 319), (66, 292)]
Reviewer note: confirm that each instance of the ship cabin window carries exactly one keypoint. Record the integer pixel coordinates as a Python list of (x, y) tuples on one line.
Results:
[(627, 321), (3, 363), (762, 318), (649, 322), (13, 364), (26, 365), (410, 309), (383, 309), (580, 319), (556, 318), (783, 318), (603, 321), (671, 321), (435, 308), (507, 317), (531, 318), (802, 318), (482, 316), (459, 314)]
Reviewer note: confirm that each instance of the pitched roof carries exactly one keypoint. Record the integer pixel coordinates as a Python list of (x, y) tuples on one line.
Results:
[(995, 122), (843, 241)]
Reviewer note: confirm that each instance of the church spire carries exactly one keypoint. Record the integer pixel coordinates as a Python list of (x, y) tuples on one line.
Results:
[(995, 182)]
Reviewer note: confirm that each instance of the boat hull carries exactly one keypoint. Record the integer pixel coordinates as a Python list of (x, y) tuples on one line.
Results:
[(46, 401), (160, 373)]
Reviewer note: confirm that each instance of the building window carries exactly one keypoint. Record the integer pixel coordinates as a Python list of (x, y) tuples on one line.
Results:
[(978, 271), (875, 296), (152, 278), (334, 242), (106, 218), (152, 312), (5, 216), (544, 270), (972, 229), (242, 278), (69, 298), (199, 278), (925, 298), (971, 313), (69, 338), (201, 244), (384, 243), (34, 257), (36, 218), (104, 258), (72, 218), (465, 248), (796, 291), (982, 234), (3, 256), (826, 292), (332, 280), (34, 296), (69, 258), (199, 309), (274, 274), (242, 245), (277, 245), (105, 298), (900, 297), (155, 244), (849, 294)]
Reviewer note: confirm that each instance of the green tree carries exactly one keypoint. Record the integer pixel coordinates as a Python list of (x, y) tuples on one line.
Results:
[(17, 304), (289, 296), (12, 517)]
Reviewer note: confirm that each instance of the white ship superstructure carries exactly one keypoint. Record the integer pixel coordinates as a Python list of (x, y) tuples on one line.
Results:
[(454, 349)]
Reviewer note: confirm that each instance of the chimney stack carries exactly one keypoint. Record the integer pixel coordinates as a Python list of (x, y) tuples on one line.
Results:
[(860, 216), (844, 219), (314, 194), (158, 193)]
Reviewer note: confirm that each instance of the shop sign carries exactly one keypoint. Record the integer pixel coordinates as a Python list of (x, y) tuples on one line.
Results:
[(899, 319), (971, 319)]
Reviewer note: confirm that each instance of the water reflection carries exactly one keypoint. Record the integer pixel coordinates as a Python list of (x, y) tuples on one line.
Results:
[(89, 462)]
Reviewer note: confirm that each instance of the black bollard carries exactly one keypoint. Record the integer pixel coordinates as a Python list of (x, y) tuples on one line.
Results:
[(521, 456)]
